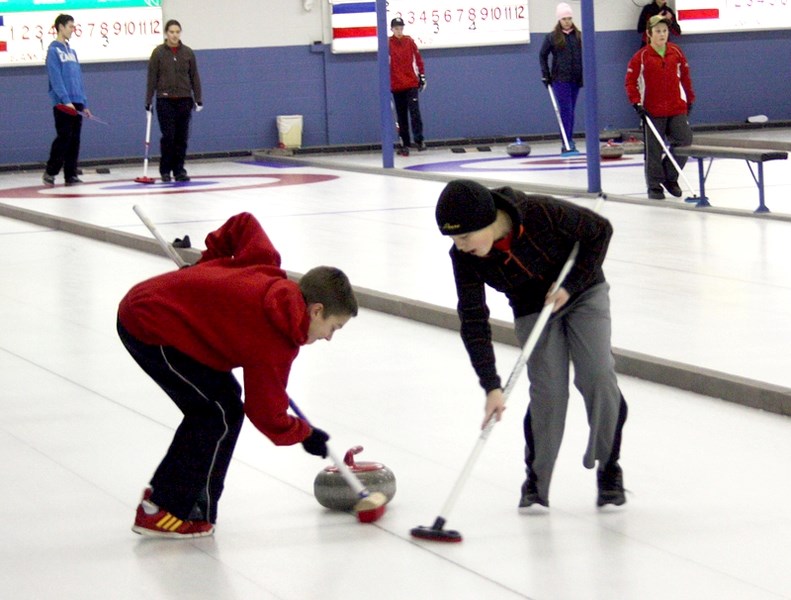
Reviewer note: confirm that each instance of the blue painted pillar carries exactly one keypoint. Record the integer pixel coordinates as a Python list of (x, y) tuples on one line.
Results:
[(383, 62), (591, 97)]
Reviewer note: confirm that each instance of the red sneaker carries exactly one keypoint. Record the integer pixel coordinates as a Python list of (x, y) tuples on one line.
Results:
[(152, 521)]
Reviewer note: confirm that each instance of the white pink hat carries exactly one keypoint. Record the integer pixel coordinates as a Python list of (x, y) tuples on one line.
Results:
[(563, 10)]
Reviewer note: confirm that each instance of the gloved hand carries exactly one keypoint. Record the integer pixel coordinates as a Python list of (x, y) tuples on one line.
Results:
[(422, 82), (198, 106), (689, 108), (148, 108), (316, 443), (547, 81), (639, 109)]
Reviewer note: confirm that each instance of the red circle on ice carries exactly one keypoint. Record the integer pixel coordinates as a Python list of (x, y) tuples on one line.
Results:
[(127, 187)]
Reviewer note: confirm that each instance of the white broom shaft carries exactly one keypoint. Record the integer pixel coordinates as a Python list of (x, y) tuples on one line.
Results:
[(166, 246), (148, 142), (666, 150), (557, 115)]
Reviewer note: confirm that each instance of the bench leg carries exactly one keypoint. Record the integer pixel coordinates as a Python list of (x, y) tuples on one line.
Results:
[(761, 204), (703, 200)]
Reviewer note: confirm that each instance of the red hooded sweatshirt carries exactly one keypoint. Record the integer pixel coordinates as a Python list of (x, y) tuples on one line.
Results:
[(234, 308)]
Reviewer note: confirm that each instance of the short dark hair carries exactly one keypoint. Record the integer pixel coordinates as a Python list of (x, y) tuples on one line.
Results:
[(61, 20), (172, 22), (330, 287)]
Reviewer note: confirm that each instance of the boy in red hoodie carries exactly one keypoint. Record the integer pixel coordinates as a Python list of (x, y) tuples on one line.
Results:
[(188, 329), (407, 77)]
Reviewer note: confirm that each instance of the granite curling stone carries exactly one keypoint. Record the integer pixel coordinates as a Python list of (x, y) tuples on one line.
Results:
[(518, 148), (332, 491), (611, 150)]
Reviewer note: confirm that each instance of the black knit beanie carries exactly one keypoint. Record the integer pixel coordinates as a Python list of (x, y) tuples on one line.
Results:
[(464, 206)]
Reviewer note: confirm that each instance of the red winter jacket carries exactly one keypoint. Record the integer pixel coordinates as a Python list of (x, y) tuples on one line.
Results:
[(234, 308), (404, 58), (661, 84)]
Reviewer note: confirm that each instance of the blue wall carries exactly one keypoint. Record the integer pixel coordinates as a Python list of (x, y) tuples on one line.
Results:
[(472, 92)]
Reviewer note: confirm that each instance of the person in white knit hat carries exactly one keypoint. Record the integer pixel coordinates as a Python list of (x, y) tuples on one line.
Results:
[(564, 43)]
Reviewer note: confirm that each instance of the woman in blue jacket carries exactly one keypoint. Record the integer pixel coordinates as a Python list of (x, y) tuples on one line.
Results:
[(67, 94), (564, 43)]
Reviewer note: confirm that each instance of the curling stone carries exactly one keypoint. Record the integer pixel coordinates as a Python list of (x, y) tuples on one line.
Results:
[(332, 491), (518, 148), (611, 150), (633, 146)]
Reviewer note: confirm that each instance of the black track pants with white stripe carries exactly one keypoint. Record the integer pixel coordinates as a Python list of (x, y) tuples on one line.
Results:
[(190, 479)]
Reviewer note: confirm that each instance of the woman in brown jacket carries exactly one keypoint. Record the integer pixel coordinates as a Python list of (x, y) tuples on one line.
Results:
[(173, 74)]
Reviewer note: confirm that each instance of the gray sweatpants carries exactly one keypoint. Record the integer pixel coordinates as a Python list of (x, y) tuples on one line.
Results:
[(579, 332)]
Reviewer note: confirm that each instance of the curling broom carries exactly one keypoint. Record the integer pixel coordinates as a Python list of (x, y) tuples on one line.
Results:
[(145, 178)]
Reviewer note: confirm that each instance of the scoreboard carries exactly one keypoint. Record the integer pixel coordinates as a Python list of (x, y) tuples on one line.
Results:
[(431, 23), (105, 30)]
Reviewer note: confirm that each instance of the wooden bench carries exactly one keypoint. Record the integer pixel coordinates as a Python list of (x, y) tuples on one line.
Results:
[(711, 147)]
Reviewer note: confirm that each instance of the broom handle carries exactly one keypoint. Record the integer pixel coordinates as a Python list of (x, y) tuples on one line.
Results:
[(557, 115), (170, 251), (149, 114)]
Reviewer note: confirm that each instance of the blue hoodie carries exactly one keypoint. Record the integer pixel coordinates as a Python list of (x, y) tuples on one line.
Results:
[(65, 77)]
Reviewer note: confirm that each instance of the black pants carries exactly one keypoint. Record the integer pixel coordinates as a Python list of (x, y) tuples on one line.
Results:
[(174, 121), (677, 132), (65, 151), (407, 107), (189, 481)]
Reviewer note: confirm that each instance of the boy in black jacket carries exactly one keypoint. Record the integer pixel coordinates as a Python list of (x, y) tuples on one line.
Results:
[(517, 244)]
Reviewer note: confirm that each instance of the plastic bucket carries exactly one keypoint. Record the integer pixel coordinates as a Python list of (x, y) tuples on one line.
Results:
[(289, 130)]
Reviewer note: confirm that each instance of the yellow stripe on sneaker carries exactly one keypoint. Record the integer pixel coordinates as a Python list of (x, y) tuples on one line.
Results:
[(169, 522)]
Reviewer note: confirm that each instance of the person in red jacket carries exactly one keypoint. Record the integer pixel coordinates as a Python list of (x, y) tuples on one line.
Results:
[(187, 329), (407, 77), (659, 87)]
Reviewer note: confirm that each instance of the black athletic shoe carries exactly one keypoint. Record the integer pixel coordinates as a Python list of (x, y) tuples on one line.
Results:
[(672, 188), (402, 151), (656, 193), (421, 146), (610, 482), (531, 502), (49, 180), (166, 178), (182, 243), (73, 181), (181, 176)]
